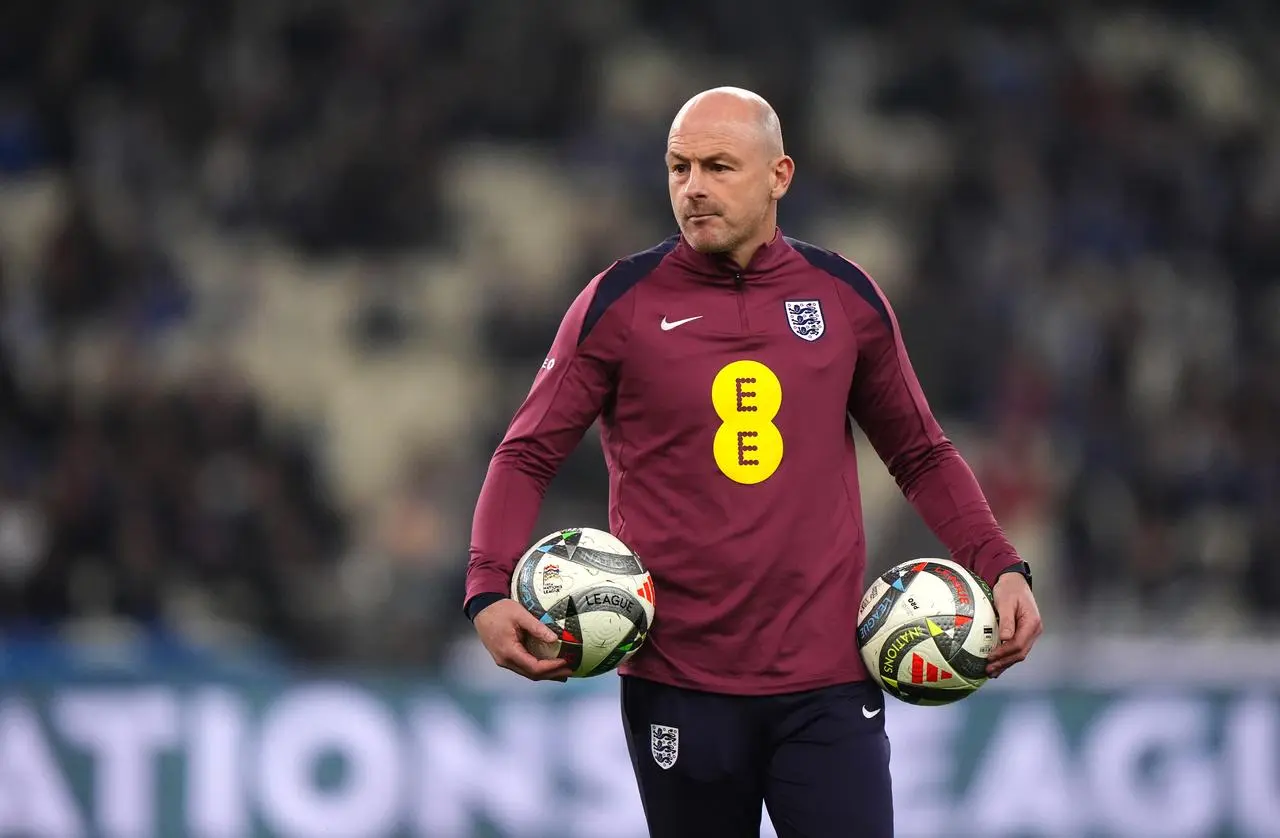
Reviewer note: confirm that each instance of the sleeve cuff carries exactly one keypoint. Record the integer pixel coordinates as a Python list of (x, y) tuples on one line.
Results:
[(480, 602), (992, 564)]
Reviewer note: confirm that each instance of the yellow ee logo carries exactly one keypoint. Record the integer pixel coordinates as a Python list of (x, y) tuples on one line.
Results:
[(748, 446)]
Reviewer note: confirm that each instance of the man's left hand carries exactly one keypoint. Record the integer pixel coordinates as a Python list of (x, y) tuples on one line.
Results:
[(1019, 622)]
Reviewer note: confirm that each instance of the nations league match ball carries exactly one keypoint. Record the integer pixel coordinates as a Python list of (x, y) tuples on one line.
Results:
[(593, 592), (925, 629)]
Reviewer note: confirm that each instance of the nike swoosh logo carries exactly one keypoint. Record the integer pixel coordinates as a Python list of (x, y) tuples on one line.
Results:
[(867, 712), (669, 325)]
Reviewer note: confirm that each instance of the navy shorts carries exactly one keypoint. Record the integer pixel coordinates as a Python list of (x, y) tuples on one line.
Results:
[(705, 763)]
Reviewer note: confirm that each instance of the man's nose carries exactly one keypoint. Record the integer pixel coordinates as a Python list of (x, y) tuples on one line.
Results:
[(694, 186)]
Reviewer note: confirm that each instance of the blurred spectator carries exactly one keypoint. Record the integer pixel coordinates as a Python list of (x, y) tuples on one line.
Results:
[(114, 504), (403, 575)]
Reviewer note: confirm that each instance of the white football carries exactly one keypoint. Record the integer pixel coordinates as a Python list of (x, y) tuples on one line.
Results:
[(593, 592), (925, 629)]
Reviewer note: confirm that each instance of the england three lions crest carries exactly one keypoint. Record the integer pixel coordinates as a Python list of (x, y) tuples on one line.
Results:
[(805, 318), (664, 744)]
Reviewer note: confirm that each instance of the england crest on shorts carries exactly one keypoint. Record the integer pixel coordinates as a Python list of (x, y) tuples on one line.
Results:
[(805, 318), (664, 744)]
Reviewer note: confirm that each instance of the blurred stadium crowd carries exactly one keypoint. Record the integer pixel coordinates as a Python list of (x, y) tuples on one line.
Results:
[(275, 274)]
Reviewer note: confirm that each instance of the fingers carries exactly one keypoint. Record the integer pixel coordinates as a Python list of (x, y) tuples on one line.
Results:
[(1008, 644), (1006, 648), (1008, 657), (534, 669), (1008, 620), (519, 660), (1022, 631), (555, 669), (1008, 654), (537, 629), (518, 641), (1029, 628)]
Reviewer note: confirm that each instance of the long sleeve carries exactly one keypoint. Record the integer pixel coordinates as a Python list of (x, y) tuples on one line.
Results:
[(568, 393), (888, 404)]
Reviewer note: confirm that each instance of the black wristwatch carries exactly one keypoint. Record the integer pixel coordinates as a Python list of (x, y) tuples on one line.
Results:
[(1017, 567)]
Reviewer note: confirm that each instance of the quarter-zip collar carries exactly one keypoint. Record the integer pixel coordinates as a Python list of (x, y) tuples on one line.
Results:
[(721, 266)]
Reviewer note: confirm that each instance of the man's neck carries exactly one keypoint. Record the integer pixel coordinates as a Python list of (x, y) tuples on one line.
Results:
[(743, 253), (742, 256)]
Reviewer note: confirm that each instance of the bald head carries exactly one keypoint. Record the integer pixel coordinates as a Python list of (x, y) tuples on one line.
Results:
[(726, 171), (731, 110)]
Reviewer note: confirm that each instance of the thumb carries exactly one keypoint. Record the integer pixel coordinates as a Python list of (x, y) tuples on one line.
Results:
[(536, 628), (1007, 620)]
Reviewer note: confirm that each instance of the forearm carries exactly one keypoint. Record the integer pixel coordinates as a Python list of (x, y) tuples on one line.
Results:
[(506, 513), (943, 490)]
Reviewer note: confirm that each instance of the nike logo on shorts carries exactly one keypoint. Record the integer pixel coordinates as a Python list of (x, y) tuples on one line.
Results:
[(867, 712)]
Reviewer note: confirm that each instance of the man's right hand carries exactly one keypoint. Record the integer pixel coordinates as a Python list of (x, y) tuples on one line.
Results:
[(503, 627)]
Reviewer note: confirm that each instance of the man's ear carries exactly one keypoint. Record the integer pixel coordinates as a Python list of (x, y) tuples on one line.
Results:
[(784, 169)]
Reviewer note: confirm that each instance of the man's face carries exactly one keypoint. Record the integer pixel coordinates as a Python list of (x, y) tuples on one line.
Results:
[(721, 180)]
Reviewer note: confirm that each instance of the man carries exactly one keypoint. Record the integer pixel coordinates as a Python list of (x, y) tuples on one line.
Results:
[(726, 365)]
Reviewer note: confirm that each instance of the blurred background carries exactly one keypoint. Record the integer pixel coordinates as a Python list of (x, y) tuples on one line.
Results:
[(274, 275)]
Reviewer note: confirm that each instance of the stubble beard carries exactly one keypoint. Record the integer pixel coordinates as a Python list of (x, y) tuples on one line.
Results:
[(714, 242), (727, 239)]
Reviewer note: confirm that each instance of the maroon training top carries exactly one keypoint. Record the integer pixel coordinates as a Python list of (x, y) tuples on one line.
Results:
[(725, 397)]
